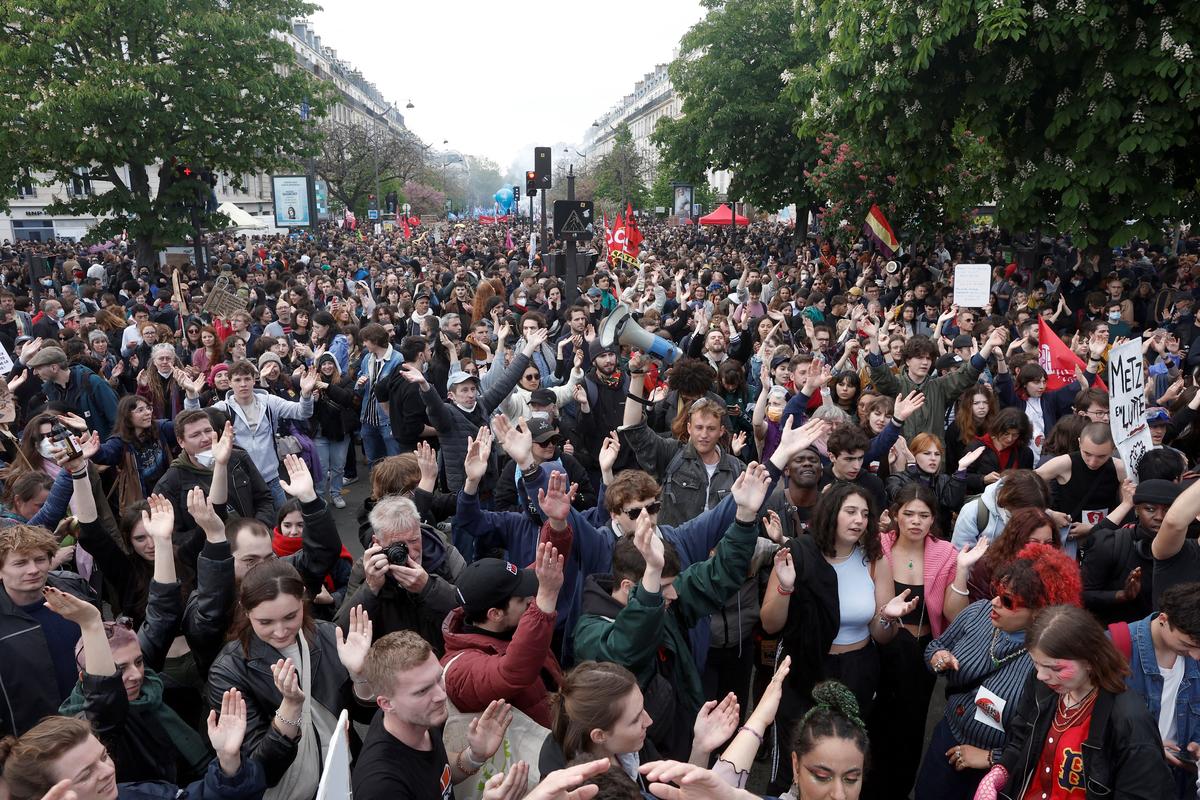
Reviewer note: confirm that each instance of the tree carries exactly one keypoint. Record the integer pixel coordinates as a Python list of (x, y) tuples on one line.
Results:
[(663, 194), (620, 173), (124, 88), (1089, 108), (731, 74), (351, 153), (424, 199)]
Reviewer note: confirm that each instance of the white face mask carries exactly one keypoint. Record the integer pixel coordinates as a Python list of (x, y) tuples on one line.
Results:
[(205, 459), (46, 449)]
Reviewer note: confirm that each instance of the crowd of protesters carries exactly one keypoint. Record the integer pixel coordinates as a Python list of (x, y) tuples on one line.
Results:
[(586, 571)]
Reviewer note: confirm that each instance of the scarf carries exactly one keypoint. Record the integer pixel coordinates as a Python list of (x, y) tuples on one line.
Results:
[(1007, 457), (186, 741), (612, 381), (287, 545)]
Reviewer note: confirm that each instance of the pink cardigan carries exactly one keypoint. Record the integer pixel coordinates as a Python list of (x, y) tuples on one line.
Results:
[(941, 562)]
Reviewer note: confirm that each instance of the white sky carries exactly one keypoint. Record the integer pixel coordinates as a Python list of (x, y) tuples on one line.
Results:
[(471, 68)]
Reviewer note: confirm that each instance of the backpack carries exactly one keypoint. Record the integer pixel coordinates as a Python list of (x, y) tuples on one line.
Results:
[(1119, 633), (983, 514)]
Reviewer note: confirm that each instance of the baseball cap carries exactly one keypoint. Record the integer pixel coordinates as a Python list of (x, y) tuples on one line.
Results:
[(856, 291), (963, 340), (490, 582), (542, 429), (1157, 416), (542, 397), (459, 376), (948, 361)]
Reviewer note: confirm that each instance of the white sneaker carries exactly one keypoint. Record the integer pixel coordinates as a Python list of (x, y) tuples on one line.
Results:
[(339, 501)]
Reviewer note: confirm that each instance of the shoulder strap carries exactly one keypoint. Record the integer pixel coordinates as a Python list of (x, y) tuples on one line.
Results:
[(674, 465), (982, 515), (1119, 633)]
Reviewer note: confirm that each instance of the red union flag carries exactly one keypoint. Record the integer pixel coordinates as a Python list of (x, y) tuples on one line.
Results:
[(1057, 359)]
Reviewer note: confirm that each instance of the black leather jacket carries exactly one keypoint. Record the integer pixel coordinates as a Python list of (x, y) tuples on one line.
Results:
[(1122, 756)]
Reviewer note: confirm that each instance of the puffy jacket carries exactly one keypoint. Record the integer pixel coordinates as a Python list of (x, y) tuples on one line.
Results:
[(331, 687), (259, 441), (28, 690), (950, 490), (687, 490), (482, 668), (651, 639), (1122, 755), (967, 530), (88, 395), (939, 392), (248, 783)]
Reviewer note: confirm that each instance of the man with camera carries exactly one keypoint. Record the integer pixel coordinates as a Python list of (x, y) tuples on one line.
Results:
[(406, 579)]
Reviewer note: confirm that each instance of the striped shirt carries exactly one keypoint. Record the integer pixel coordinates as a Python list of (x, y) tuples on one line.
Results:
[(969, 639)]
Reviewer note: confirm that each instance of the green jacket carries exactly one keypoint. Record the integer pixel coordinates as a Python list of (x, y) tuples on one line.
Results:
[(650, 639), (939, 393)]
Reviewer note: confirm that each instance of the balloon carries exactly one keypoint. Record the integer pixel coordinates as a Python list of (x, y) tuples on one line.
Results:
[(503, 197)]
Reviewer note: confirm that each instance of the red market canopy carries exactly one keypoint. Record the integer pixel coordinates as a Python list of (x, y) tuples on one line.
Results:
[(722, 216)]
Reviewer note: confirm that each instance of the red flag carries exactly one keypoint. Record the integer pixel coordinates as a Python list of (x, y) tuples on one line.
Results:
[(407, 230), (633, 236), (1058, 360)]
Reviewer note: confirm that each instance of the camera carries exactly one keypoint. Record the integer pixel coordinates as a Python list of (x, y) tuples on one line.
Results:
[(397, 554)]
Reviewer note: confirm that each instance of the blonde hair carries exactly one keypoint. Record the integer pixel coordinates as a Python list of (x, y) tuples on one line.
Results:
[(26, 539), (395, 653)]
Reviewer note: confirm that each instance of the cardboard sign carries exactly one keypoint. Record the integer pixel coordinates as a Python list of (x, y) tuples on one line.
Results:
[(972, 285), (335, 777), (1127, 389)]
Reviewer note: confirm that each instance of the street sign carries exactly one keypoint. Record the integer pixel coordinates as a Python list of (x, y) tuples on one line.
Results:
[(407, 208), (574, 220), (372, 213)]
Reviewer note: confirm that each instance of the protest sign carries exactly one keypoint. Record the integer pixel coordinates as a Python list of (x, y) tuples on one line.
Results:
[(972, 285), (1127, 387), (335, 777)]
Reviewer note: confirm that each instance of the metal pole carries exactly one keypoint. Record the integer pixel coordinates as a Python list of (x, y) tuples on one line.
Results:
[(571, 267), (542, 242), (375, 161), (733, 221)]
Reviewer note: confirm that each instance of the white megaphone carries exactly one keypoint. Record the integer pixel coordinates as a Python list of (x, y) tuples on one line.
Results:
[(619, 328)]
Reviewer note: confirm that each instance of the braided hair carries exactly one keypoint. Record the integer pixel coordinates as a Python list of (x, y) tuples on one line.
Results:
[(835, 714)]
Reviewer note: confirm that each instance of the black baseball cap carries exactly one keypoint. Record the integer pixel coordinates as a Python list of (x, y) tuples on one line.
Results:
[(542, 397), (963, 340), (490, 582), (542, 429)]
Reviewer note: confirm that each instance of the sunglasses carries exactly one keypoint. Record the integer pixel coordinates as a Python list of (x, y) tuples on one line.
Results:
[(653, 508), (553, 441), (1008, 601), (124, 622), (533, 376)]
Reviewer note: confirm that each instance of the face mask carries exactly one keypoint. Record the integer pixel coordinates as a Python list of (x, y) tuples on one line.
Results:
[(47, 281), (774, 414), (205, 459), (46, 449), (1114, 317)]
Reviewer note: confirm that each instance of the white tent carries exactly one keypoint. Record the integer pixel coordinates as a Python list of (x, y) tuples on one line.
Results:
[(241, 218)]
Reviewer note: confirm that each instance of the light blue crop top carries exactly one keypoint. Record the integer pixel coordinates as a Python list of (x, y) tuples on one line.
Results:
[(856, 598)]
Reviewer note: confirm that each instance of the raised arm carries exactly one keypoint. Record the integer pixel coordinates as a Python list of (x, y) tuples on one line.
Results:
[(1173, 531)]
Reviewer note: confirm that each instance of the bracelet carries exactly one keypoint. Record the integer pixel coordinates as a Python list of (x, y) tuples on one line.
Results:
[(779, 589), (295, 723), (470, 754), (752, 732), (80, 475), (459, 765), (956, 590)]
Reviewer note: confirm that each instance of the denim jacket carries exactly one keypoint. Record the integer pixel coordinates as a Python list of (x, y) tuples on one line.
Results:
[(1147, 681)]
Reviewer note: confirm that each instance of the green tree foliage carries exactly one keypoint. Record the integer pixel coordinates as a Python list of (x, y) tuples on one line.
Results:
[(663, 194), (123, 88), (1074, 114), (731, 72), (351, 156), (620, 173)]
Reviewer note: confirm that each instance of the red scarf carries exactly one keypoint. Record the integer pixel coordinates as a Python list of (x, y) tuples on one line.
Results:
[(1007, 457), (287, 545)]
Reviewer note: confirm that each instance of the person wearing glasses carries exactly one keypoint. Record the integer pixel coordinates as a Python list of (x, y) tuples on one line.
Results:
[(984, 659)]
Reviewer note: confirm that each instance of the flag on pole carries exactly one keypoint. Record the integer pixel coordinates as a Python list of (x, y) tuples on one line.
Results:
[(407, 230), (880, 232), (1058, 360), (508, 242), (633, 237)]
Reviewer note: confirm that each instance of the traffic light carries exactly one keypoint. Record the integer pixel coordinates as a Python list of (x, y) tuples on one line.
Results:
[(516, 194), (372, 202), (531, 183), (541, 166)]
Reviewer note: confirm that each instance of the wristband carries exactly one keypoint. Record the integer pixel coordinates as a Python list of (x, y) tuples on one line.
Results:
[(752, 732), (295, 723), (79, 475), (779, 589), (958, 591)]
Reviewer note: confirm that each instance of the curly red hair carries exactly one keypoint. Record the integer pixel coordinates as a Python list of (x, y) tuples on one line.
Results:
[(1041, 576)]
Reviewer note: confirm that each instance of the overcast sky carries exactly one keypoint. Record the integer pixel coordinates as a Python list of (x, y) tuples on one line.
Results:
[(497, 78)]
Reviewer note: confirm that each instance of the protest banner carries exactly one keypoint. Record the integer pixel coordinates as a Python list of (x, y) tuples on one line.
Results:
[(335, 777), (972, 285), (1127, 417)]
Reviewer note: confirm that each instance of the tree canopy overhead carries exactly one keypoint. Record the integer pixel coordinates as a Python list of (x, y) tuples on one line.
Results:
[(124, 88)]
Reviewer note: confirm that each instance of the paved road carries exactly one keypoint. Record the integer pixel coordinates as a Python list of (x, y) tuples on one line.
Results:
[(347, 518)]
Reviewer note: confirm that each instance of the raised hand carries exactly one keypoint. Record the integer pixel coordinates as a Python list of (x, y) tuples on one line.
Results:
[(609, 451), (225, 733), (486, 732), (1132, 587), (308, 382), (159, 520), (70, 607), (535, 340), (29, 349), (715, 723), (222, 448), (510, 785), (561, 784), (648, 543), (555, 500), (969, 556), (413, 374), (479, 451), (793, 440), (900, 605), (427, 462), (548, 566), (353, 646), (287, 679), (774, 527), (908, 405), (750, 490), (738, 443), (969, 458), (201, 509), (516, 440), (300, 481)]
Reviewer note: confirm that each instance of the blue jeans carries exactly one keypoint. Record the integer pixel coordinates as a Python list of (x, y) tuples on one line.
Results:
[(937, 780), (277, 494), (378, 441), (332, 453)]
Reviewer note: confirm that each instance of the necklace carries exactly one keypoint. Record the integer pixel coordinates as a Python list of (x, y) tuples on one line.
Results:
[(1068, 715), (998, 662)]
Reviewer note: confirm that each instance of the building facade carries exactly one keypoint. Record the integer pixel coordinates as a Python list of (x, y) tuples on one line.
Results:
[(358, 102), (652, 98)]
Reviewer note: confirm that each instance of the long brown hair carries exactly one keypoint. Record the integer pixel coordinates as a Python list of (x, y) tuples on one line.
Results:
[(968, 430), (216, 353), (264, 582), (26, 762), (124, 427), (29, 460), (588, 698), (487, 289), (1022, 522), (825, 518), (1071, 632)]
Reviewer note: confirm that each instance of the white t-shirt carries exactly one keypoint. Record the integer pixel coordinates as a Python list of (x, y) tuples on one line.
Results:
[(1172, 678), (1033, 410)]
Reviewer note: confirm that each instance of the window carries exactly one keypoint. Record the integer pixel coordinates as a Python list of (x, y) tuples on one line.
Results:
[(81, 183), (25, 187)]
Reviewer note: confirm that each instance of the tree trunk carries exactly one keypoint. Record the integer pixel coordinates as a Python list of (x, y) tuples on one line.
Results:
[(139, 188), (800, 231)]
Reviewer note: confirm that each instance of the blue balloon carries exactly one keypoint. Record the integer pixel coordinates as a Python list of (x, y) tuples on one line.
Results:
[(503, 197)]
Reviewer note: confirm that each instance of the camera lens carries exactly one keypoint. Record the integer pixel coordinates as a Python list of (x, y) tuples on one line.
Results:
[(397, 554)]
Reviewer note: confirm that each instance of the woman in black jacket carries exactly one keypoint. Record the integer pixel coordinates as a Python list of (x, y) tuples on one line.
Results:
[(334, 410), (295, 673), (1076, 726), (1005, 446), (923, 459)]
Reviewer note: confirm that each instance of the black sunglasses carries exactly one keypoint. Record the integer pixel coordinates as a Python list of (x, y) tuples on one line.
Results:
[(652, 508), (553, 441), (533, 376), (124, 622)]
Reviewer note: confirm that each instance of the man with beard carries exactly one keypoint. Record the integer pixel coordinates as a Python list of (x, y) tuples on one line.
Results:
[(572, 338), (605, 388), (1118, 574), (796, 495)]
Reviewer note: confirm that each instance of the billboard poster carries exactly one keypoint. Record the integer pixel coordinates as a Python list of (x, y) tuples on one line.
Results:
[(290, 199)]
